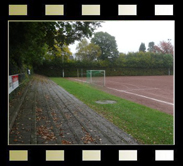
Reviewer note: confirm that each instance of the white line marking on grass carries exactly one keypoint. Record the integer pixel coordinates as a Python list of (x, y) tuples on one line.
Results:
[(161, 101)]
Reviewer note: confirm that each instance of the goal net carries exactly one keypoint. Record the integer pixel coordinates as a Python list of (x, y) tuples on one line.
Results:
[(96, 77)]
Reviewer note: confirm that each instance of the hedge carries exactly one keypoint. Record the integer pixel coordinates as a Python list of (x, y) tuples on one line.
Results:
[(73, 72)]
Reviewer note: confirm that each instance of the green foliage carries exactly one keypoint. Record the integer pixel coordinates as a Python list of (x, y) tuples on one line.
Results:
[(58, 52), (94, 51), (87, 51), (139, 63), (142, 47), (121, 60), (29, 42), (107, 44), (151, 47)]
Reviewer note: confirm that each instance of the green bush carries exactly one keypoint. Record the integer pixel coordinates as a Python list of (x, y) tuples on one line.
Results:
[(132, 64)]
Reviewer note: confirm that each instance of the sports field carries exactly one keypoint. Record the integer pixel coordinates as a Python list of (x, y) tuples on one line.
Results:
[(153, 91)]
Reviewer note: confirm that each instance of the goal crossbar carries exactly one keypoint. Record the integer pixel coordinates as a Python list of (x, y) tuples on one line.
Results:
[(96, 77)]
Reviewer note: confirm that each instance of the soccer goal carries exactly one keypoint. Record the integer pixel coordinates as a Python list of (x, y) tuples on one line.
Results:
[(96, 77)]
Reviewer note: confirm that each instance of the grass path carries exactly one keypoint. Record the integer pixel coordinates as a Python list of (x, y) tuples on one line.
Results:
[(147, 125)]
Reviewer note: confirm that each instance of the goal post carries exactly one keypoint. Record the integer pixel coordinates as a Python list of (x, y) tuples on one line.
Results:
[(96, 77)]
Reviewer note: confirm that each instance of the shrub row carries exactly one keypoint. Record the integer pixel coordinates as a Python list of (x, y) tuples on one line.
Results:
[(140, 63), (74, 72)]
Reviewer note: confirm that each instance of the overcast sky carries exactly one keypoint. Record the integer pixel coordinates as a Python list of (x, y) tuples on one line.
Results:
[(130, 34)]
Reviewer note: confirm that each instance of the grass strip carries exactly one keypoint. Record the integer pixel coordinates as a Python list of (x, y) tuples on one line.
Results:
[(147, 125)]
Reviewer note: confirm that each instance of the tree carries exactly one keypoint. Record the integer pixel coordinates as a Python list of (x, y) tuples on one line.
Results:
[(142, 47), (30, 41), (81, 49), (87, 51), (69, 32), (94, 51), (107, 44), (151, 47), (25, 43), (59, 52), (121, 60), (164, 48)]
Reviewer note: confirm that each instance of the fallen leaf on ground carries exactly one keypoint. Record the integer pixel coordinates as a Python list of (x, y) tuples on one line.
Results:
[(65, 142), (87, 138), (46, 96), (38, 109)]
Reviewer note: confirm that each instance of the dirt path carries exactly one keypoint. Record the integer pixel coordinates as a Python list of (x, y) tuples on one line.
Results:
[(47, 114)]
